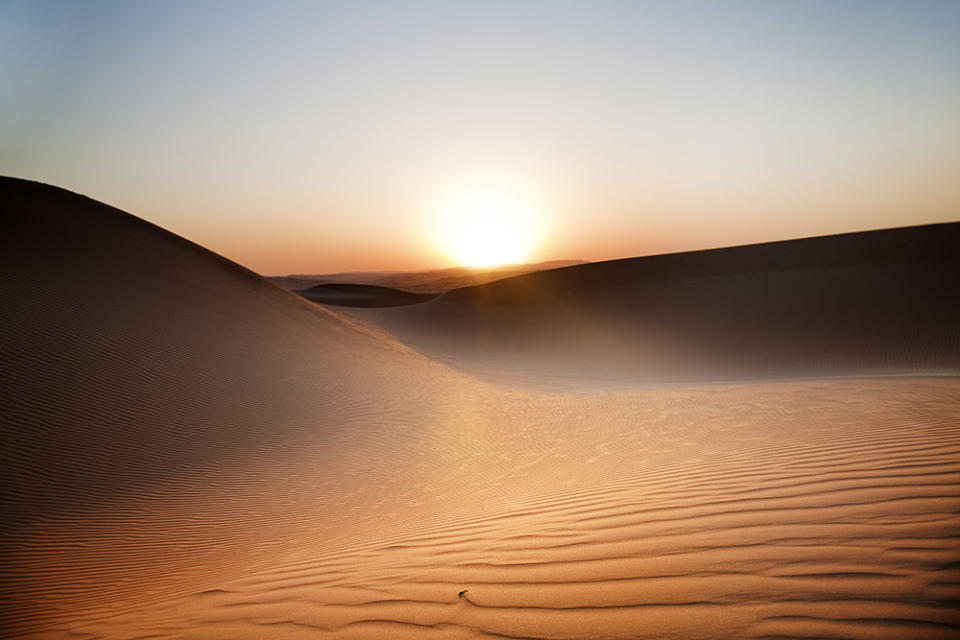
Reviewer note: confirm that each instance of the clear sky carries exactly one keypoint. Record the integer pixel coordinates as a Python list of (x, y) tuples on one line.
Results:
[(312, 137)]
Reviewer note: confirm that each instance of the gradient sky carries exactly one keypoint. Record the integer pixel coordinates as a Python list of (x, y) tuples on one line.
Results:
[(307, 137)]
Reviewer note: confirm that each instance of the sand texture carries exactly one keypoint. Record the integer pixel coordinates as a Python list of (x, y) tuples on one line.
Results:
[(190, 451)]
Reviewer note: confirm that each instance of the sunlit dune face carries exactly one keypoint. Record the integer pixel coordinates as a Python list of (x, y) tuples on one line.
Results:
[(487, 226)]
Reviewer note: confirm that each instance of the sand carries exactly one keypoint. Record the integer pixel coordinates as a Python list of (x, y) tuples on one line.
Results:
[(876, 303), (193, 452), (363, 295), (430, 281)]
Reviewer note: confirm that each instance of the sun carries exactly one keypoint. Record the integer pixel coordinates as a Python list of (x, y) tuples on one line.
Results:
[(487, 225)]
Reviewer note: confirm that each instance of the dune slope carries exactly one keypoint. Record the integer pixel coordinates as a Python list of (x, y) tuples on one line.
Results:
[(148, 394), (192, 452), (869, 303)]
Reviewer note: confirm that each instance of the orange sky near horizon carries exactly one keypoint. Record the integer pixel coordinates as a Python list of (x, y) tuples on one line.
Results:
[(310, 137)]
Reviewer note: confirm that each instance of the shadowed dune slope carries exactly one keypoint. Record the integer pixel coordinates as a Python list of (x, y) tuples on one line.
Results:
[(191, 452), (124, 343), (876, 302), (362, 295)]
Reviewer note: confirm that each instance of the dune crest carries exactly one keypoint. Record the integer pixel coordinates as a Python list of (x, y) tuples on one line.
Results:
[(193, 452), (363, 295), (860, 304), (432, 281)]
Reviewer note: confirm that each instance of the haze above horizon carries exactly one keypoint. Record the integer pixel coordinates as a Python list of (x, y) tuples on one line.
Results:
[(320, 137)]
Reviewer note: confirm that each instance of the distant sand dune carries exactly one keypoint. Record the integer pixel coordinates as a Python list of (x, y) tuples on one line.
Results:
[(192, 452), (432, 281), (363, 295)]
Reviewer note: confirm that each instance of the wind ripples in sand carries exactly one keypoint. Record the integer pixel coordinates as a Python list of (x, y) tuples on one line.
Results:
[(839, 535)]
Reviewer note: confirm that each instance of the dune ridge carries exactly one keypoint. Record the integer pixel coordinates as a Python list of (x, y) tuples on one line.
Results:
[(431, 281), (193, 452), (362, 295), (859, 304)]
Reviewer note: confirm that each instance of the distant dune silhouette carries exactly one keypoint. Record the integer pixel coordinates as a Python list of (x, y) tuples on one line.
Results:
[(363, 295), (189, 451), (428, 281)]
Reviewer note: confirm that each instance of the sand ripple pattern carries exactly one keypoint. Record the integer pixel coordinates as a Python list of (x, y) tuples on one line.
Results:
[(838, 521)]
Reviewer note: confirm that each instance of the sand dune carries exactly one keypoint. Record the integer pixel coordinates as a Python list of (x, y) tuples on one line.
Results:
[(429, 281), (193, 452), (871, 303), (363, 295)]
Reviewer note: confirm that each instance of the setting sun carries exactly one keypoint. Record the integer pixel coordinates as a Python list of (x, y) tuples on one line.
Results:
[(486, 226)]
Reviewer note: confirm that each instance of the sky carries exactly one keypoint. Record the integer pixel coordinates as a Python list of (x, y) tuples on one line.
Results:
[(313, 137)]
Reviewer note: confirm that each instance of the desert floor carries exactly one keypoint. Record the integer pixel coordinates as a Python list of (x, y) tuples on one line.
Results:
[(193, 452)]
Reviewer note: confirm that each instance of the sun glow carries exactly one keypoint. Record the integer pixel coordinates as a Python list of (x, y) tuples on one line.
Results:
[(484, 226)]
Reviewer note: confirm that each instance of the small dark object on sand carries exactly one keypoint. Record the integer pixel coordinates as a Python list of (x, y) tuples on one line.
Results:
[(462, 593)]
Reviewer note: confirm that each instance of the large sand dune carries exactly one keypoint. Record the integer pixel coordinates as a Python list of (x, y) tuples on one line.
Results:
[(870, 303), (193, 452)]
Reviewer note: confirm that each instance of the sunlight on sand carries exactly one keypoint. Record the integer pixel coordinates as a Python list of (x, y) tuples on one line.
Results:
[(193, 452)]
